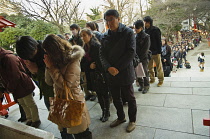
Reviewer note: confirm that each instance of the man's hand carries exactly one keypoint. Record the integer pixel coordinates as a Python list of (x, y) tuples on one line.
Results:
[(93, 65), (32, 67), (47, 61), (113, 71), (164, 60)]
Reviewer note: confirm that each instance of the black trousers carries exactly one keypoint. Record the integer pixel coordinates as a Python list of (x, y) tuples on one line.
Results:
[(128, 92)]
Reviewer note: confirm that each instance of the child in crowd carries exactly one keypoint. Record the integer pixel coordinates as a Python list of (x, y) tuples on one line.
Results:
[(201, 61), (175, 63)]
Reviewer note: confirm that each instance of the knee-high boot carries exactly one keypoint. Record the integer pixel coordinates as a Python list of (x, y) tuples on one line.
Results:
[(106, 109), (101, 103)]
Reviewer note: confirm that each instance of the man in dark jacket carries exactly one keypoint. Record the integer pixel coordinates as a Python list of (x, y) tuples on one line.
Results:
[(117, 54), (155, 47), (75, 39), (14, 79), (142, 48)]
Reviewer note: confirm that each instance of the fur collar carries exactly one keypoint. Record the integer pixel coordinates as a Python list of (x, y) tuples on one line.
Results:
[(77, 52)]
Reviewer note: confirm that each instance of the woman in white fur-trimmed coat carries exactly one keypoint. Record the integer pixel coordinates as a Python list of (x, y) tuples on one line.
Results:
[(63, 64)]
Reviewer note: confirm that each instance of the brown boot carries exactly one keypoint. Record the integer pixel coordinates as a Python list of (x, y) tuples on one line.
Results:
[(117, 122), (131, 126)]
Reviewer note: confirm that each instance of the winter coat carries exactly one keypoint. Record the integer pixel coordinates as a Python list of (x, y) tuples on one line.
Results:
[(166, 56), (142, 45), (98, 35), (155, 38), (14, 76), (118, 50), (76, 40), (92, 55), (71, 74)]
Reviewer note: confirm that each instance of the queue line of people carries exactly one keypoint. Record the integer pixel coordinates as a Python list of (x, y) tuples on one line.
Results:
[(106, 60)]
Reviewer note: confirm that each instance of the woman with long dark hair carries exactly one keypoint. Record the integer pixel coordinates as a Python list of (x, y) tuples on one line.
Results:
[(94, 72)]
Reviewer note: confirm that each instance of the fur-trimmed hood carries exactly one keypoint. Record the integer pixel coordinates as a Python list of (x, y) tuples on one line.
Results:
[(77, 52)]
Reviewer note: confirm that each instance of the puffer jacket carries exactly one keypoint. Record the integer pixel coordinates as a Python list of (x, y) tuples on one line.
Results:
[(71, 75)]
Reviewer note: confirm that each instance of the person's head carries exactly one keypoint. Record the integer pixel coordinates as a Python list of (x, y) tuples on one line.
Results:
[(164, 41), (26, 47), (74, 28), (96, 25), (202, 54), (86, 35), (91, 26), (57, 49), (148, 21), (67, 36), (61, 36), (138, 26), (112, 19)]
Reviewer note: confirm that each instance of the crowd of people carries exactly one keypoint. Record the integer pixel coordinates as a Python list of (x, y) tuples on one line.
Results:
[(98, 64)]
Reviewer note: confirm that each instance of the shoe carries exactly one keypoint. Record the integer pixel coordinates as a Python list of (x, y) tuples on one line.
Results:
[(29, 123), (131, 126), (22, 119), (145, 90), (140, 88), (103, 113), (36, 124), (87, 97), (106, 116), (151, 81), (93, 97), (159, 84), (117, 122)]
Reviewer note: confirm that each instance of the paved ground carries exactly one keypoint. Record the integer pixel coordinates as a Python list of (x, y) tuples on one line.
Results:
[(173, 111)]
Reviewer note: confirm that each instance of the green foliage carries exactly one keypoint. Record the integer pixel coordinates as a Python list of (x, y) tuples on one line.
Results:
[(9, 36), (82, 23), (39, 29), (25, 26), (96, 14)]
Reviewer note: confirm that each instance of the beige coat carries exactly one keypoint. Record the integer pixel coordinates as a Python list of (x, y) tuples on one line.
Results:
[(71, 74)]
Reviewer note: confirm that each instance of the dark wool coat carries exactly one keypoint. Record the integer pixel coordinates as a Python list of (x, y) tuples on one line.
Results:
[(142, 45), (155, 38), (118, 50)]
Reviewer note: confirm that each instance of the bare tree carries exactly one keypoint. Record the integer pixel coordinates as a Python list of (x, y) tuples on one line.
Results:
[(9, 7), (119, 5), (129, 10), (58, 12)]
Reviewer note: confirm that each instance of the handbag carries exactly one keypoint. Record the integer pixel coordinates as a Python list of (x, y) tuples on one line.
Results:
[(66, 112), (140, 71)]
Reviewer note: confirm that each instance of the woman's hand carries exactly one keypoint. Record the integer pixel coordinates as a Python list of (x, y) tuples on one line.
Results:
[(47, 61), (93, 65)]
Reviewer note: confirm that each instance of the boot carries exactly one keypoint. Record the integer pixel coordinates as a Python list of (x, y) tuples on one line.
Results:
[(103, 113), (84, 135), (65, 135), (140, 88), (106, 116), (106, 109), (146, 88)]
